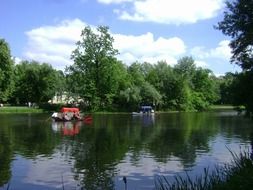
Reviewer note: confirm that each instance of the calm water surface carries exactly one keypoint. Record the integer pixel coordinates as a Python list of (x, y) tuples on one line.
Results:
[(36, 153)]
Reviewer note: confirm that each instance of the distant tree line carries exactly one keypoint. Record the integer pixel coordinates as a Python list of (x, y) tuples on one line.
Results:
[(105, 83)]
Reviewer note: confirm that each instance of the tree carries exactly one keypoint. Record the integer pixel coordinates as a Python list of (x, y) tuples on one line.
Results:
[(94, 67), (185, 67), (197, 88), (204, 86), (238, 24), (242, 89), (136, 74), (130, 98), (184, 70), (35, 82), (162, 77), (6, 71), (226, 88), (148, 94)]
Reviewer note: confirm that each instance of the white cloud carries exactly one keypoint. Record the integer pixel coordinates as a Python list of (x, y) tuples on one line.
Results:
[(146, 48), (54, 44), (127, 57), (200, 63), (168, 11), (17, 60), (200, 52), (222, 51), (113, 1)]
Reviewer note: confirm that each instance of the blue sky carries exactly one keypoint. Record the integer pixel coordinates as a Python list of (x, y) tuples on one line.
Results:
[(143, 30)]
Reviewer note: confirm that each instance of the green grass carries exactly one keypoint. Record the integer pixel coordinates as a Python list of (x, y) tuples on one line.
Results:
[(237, 175), (222, 107), (19, 109)]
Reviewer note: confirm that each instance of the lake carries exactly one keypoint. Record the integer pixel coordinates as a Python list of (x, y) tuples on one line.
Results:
[(36, 153)]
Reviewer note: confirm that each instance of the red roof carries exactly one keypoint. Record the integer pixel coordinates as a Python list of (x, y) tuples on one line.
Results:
[(74, 110)]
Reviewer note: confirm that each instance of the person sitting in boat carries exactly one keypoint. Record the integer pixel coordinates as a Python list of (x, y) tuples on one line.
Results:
[(66, 117), (55, 115), (77, 115)]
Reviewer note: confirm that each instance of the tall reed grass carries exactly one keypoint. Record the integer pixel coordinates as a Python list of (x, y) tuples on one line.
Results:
[(237, 175)]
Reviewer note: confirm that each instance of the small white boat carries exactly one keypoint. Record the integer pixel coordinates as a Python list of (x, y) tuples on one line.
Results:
[(137, 113), (144, 110)]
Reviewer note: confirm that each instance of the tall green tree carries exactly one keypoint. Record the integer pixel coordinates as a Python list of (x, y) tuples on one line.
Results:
[(148, 94), (163, 78), (205, 89), (184, 70), (238, 24), (197, 87), (95, 66), (185, 67), (6, 71), (131, 97)]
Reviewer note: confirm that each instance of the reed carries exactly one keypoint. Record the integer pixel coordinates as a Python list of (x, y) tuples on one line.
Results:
[(233, 176)]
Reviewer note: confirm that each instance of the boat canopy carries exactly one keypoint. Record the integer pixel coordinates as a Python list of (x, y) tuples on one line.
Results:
[(73, 110), (146, 108)]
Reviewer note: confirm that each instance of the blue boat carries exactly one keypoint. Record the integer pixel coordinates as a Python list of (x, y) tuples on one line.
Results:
[(144, 110)]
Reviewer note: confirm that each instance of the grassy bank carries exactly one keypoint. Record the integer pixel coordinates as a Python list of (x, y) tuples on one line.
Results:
[(237, 175), (222, 107), (19, 109), (227, 107)]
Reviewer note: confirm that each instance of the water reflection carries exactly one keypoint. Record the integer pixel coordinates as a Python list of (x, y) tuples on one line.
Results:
[(99, 155), (5, 159), (67, 128), (146, 120)]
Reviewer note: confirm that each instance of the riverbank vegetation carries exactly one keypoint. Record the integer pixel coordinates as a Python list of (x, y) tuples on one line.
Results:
[(232, 176), (20, 109)]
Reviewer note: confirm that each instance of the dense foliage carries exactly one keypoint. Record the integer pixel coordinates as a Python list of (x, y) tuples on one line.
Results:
[(96, 68), (36, 83), (6, 71), (238, 24)]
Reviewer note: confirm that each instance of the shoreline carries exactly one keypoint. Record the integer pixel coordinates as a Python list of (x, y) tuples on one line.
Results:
[(25, 109)]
